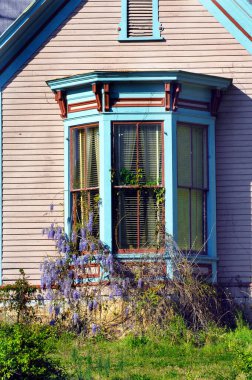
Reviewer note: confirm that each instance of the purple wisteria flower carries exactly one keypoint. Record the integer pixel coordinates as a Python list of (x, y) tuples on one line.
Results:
[(83, 245), (75, 318), (90, 306), (95, 304), (90, 222), (51, 232), (51, 206), (95, 328), (74, 237), (57, 310), (140, 283), (76, 295), (83, 233)]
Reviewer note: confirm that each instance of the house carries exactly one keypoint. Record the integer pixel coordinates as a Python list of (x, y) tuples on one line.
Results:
[(141, 107)]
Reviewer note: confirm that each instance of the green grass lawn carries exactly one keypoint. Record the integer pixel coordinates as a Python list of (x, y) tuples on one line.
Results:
[(221, 355)]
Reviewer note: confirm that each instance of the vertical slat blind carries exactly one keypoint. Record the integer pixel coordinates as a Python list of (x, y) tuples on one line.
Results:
[(192, 186), (138, 172), (140, 18), (85, 174)]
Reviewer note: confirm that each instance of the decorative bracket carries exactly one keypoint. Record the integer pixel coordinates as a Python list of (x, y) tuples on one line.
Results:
[(215, 101), (177, 89), (106, 97), (97, 96), (167, 96), (61, 100)]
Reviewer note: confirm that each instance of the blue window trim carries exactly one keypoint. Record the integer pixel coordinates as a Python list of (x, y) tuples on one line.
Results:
[(123, 37)]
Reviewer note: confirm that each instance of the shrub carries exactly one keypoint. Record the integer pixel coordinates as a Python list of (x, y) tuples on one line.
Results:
[(24, 353)]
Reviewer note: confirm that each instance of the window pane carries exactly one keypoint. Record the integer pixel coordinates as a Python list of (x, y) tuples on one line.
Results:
[(150, 154), (78, 158), (151, 220), (85, 158), (184, 155), (197, 219), (125, 154), (184, 219), (126, 219), (92, 157), (197, 145), (85, 202)]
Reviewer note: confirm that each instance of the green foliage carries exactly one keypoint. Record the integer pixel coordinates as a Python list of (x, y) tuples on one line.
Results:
[(17, 298), (24, 353)]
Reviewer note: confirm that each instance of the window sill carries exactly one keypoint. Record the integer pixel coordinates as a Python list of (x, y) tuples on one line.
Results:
[(142, 39)]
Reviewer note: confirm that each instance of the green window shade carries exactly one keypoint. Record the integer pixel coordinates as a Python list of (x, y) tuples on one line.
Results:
[(184, 219), (199, 157), (197, 206), (184, 156), (192, 186)]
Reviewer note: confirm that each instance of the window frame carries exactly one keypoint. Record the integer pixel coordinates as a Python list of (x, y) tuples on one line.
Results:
[(137, 187), (123, 26), (74, 192)]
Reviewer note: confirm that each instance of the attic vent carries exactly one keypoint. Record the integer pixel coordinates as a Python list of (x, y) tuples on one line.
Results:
[(140, 18)]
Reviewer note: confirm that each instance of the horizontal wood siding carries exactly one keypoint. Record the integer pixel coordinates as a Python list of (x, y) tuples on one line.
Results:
[(33, 131)]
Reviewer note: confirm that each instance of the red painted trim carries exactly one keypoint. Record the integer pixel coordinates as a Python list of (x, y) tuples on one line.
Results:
[(106, 97), (97, 96), (177, 90), (138, 102), (167, 96), (232, 19), (83, 106), (61, 100)]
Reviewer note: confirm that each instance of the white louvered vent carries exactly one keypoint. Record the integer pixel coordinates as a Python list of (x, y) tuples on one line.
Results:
[(140, 20)]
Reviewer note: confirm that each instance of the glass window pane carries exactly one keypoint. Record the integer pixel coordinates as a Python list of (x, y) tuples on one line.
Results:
[(184, 219), (125, 219), (197, 145), (150, 154), (92, 148), (184, 155), (78, 158), (85, 158), (125, 159), (85, 202), (197, 221), (151, 220)]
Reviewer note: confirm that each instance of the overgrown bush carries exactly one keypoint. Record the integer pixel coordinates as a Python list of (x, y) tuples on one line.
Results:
[(24, 353), (127, 296), (17, 299)]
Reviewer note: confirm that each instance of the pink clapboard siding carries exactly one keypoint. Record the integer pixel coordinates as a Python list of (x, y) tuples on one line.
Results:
[(33, 172)]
